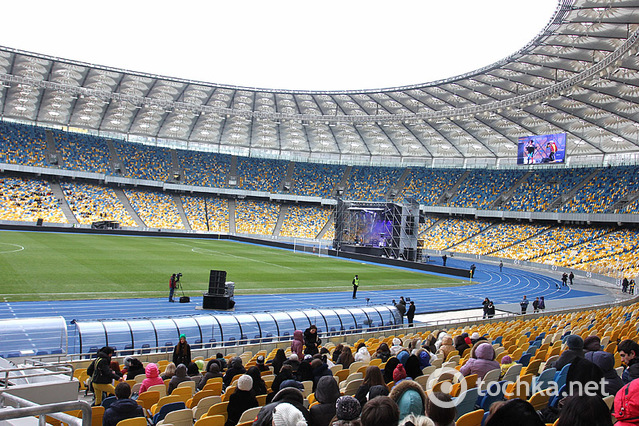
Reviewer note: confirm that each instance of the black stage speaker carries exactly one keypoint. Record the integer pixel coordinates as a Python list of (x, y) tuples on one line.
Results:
[(217, 281), (39, 222), (217, 302)]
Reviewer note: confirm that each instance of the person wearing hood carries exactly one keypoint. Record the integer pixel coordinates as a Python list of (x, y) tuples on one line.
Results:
[(373, 377), (123, 408), (481, 361), (259, 386), (383, 352), (278, 360), (362, 354), (575, 350), (320, 369), (152, 373), (241, 400), (446, 347), (134, 368), (297, 345), (304, 371), (286, 373), (389, 368), (101, 374), (180, 376), (460, 345), (182, 352), (592, 343), (606, 362), (326, 393), (403, 356), (397, 346), (235, 368), (311, 340), (412, 367), (410, 398), (212, 371), (424, 358), (292, 396), (293, 361)]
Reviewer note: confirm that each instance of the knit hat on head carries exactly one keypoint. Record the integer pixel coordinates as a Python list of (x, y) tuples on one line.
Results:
[(403, 356), (574, 342), (293, 357), (182, 335), (260, 359), (245, 382), (347, 408), (399, 373), (506, 359), (285, 414), (592, 343), (397, 342), (308, 356), (474, 336)]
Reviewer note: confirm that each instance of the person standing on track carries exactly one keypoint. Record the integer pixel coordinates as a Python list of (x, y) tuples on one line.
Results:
[(172, 286), (524, 305), (571, 277), (410, 314), (355, 285)]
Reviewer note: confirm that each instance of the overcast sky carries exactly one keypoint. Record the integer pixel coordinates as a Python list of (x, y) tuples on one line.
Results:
[(280, 44)]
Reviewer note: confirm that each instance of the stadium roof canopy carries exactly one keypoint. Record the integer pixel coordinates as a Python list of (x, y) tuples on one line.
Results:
[(580, 76)]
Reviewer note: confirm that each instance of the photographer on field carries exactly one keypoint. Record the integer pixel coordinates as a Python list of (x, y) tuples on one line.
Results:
[(174, 282)]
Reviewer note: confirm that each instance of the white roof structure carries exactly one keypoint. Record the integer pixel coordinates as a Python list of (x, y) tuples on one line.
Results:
[(580, 76)]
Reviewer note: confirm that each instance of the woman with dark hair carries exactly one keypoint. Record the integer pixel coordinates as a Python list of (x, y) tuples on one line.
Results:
[(286, 373), (311, 340), (389, 368), (346, 358), (412, 367), (460, 345), (259, 387), (320, 369), (515, 412), (381, 410), (440, 414), (584, 411), (337, 352), (304, 371), (383, 352), (372, 378), (278, 360)]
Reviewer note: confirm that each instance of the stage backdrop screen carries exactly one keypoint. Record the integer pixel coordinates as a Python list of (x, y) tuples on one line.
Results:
[(543, 149)]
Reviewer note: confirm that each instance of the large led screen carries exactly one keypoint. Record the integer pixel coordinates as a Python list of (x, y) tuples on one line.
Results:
[(543, 149)]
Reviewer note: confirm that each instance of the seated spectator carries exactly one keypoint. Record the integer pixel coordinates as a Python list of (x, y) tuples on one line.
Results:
[(446, 347), (115, 366), (400, 375), (259, 386), (475, 337), (481, 361), (347, 412), (629, 353), (397, 346), (285, 414), (373, 377), (389, 369), (169, 371), (235, 368), (259, 363), (515, 412), (290, 395), (413, 420), (213, 370), (325, 356), (460, 344), (286, 373), (337, 352), (194, 372), (584, 411), (123, 408), (412, 367), (440, 414), (293, 361), (575, 350), (381, 410), (383, 352), (326, 393), (606, 362), (592, 343), (582, 373), (241, 400), (506, 363), (134, 368), (362, 354), (409, 397), (278, 360), (423, 356), (220, 358), (319, 369), (180, 376), (346, 357), (304, 371), (378, 390), (152, 373)]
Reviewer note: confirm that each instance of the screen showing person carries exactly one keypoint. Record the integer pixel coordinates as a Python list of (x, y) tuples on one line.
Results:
[(542, 149)]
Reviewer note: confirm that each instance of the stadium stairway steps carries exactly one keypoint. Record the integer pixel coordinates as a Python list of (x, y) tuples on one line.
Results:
[(471, 236), (176, 171), (287, 182), (280, 220), (343, 183), (64, 205), (327, 226), (447, 195), (128, 207), (51, 152), (396, 189), (564, 198), (232, 216), (506, 196), (180, 207), (231, 179), (618, 206), (117, 166)]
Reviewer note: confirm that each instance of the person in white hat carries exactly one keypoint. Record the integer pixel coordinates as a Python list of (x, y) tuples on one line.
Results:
[(285, 414), (241, 400)]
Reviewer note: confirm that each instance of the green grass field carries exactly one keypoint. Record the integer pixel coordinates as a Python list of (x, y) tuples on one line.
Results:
[(48, 266)]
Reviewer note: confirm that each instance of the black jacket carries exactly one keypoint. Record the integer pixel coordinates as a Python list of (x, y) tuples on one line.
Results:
[(239, 402), (326, 394), (120, 410), (182, 354), (293, 396), (100, 370)]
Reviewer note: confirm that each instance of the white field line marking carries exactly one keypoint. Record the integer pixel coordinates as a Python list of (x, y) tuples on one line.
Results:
[(20, 248)]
